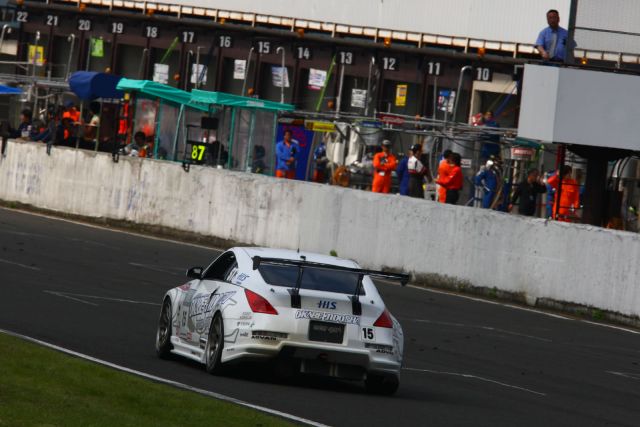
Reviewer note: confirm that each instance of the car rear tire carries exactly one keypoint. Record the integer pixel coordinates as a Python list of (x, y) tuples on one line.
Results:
[(382, 384), (215, 345), (163, 335)]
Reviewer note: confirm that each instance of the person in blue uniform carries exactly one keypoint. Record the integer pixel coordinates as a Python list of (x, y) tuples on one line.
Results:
[(487, 179), (403, 174), (286, 156), (321, 161)]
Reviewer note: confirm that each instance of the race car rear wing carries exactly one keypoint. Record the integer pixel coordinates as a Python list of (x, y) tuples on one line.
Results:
[(302, 263)]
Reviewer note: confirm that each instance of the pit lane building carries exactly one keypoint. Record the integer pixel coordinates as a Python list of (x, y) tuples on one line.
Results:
[(396, 56), (441, 60)]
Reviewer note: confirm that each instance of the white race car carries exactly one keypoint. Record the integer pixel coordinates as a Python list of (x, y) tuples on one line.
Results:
[(321, 313)]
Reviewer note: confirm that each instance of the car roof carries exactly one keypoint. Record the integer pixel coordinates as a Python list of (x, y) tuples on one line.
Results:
[(289, 254)]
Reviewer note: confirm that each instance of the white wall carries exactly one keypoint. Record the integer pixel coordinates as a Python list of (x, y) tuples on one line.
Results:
[(612, 15), (501, 20), (580, 107), (571, 263)]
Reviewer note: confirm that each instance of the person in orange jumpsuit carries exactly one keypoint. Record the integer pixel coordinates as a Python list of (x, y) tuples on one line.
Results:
[(444, 169), (71, 113), (569, 195), (453, 182), (384, 163)]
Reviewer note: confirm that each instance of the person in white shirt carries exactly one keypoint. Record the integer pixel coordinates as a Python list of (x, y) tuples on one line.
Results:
[(417, 171)]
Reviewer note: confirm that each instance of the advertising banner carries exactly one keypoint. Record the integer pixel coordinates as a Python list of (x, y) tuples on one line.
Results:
[(358, 98), (304, 140), (97, 47), (317, 79), (161, 73), (239, 69), (199, 71), (446, 100), (36, 53), (278, 74), (401, 95)]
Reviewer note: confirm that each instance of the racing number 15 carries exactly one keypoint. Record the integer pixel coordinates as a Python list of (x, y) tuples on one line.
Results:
[(197, 153), (368, 334)]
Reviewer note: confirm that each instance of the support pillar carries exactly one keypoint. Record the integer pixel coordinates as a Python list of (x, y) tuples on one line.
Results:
[(595, 191)]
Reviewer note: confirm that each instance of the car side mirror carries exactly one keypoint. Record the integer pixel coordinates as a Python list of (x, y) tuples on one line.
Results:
[(194, 273)]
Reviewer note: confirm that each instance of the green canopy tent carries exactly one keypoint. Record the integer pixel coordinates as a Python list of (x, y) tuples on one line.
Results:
[(247, 128), (160, 109), (227, 99), (160, 91)]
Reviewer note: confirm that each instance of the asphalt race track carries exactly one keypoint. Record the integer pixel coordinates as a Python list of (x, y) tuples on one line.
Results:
[(468, 362)]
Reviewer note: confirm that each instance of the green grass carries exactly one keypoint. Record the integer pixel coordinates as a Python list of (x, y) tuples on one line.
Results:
[(43, 387)]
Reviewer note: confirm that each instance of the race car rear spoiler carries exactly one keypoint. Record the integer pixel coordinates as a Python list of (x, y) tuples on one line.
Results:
[(302, 263)]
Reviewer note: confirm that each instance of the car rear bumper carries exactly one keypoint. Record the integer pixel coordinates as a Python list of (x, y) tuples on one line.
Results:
[(325, 356)]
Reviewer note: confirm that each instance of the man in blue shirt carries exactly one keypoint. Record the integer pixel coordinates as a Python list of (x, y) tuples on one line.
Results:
[(552, 41), (490, 142), (286, 156), (402, 172), (487, 180), (321, 159), (25, 130)]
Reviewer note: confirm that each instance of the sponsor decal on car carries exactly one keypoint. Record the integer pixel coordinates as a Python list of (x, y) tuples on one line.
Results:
[(232, 337), (398, 337), (328, 317), (331, 305), (202, 307), (263, 338), (380, 348), (271, 336), (236, 278)]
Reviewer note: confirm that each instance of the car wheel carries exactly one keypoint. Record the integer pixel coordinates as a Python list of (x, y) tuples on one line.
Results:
[(163, 336), (382, 384), (215, 344)]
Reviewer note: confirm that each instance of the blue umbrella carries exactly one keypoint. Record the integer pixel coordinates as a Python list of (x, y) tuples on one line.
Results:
[(89, 85)]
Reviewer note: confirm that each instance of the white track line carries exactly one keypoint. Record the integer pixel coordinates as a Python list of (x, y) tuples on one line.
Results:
[(77, 297), (62, 295), (486, 328), (89, 242), (517, 307), (475, 377), (168, 382), (605, 325), (625, 374), (115, 230), (155, 268), (6, 261), (23, 233), (532, 310)]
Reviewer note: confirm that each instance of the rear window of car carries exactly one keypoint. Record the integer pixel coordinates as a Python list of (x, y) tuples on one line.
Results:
[(319, 279)]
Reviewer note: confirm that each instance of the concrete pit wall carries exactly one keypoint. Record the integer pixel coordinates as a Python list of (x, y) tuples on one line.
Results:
[(532, 258)]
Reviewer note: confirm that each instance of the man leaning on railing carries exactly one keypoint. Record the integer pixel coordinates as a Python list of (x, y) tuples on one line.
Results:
[(552, 41)]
